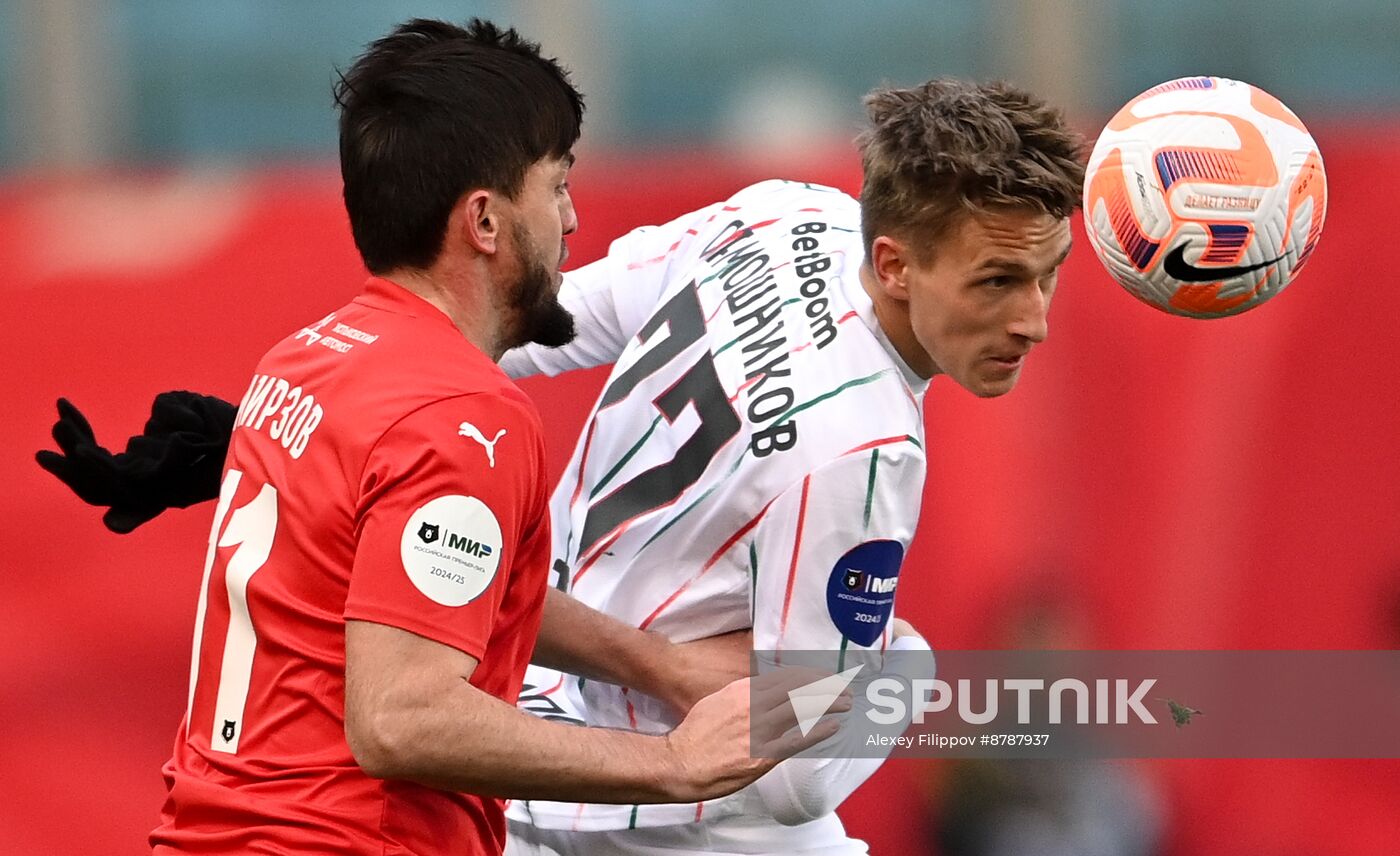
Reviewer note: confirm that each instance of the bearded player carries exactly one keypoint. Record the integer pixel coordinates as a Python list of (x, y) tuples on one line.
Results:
[(376, 578)]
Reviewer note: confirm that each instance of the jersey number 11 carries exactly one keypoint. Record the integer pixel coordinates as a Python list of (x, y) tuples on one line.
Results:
[(250, 531)]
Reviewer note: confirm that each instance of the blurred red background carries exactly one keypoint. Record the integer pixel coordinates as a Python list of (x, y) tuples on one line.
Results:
[(1160, 483)]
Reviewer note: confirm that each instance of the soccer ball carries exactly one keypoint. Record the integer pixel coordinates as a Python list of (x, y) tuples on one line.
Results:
[(1204, 196)]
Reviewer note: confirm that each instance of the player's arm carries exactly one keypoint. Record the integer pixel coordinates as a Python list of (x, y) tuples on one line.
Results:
[(580, 640), (829, 553), (613, 297), (412, 713)]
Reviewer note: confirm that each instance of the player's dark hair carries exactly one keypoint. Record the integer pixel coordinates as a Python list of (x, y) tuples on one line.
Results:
[(936, 151), (432, 111)]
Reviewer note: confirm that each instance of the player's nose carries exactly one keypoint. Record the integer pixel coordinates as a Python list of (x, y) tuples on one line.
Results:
[(569, 215), (1031, 318)]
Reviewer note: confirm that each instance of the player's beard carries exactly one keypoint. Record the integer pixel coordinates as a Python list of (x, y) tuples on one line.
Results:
[(533, 302)]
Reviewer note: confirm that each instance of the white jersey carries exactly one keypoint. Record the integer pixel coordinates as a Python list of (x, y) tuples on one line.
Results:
[(756, 459)]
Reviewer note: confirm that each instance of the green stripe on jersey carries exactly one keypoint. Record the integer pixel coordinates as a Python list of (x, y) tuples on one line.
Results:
[(753, 579), (622, 462), (870, 484), (632, 821), (860, 381), (792, 411)]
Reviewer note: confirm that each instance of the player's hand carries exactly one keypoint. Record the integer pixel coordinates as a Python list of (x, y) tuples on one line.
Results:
[(899, 627), (176, 462), (696, 669), (734, 736)]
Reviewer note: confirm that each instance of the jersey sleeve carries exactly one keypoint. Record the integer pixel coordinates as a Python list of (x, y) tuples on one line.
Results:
[(613, 297), (446, 499), (827, 558), (828, 551)]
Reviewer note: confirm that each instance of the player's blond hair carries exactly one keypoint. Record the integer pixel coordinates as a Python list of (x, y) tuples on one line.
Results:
[(936, 151)]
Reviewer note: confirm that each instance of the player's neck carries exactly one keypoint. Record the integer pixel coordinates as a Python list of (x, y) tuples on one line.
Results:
[(463, 305), (893, 317)]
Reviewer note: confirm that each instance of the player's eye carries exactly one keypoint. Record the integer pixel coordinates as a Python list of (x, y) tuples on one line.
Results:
[(997, 282)]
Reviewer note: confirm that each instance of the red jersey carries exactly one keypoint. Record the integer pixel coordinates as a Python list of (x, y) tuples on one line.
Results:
[(381, 469)]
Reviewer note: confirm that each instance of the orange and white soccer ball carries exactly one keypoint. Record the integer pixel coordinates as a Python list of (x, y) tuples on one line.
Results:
[(1204, 196)]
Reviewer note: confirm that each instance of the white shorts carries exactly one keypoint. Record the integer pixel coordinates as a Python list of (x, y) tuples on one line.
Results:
[(732, 836)]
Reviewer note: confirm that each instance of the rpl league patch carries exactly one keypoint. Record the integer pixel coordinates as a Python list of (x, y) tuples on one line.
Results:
[(451, 549), (860, 591)]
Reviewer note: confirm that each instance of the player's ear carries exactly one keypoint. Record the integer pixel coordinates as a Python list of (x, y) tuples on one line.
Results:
[(477, 219), (890, 260)]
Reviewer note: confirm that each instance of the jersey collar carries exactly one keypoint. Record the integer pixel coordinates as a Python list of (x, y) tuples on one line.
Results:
[(865, 310), (389, 296)]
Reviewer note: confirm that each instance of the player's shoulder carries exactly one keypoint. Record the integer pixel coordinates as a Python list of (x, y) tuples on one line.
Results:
[(789, 196), (374, 368), (482, 415)]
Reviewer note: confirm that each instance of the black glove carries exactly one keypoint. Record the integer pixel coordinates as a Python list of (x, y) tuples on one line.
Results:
[(176, 462)]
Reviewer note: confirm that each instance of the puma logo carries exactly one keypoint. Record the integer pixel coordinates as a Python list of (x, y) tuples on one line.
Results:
[(466, 429)]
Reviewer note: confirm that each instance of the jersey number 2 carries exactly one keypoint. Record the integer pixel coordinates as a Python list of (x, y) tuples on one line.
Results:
[(700, 386), (250, 531)]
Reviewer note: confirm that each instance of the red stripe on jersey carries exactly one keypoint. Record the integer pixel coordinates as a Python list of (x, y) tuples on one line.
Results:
[(738, 233), (809, 209), (650, 261), (909, 392), (631, 711), (655, 259), (599, 548), (699, 810), (583, 461), (796, 550), (730, 208), (884, 441), (579, 815), (598, 551), (843, 319), (745, 385), (713, 560)]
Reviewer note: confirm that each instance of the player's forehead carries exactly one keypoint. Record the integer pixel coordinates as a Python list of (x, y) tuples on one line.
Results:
[(1010, 238), (550, 167), (560, 164)]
